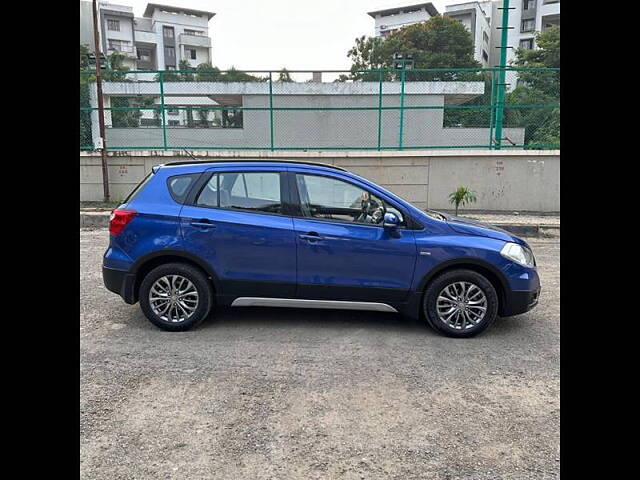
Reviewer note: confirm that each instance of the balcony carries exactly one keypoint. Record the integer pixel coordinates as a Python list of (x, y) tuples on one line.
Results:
[(146, 37), (125, 49), (195, 40)]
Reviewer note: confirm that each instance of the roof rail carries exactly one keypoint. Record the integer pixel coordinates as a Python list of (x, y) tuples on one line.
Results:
[(245, 160)]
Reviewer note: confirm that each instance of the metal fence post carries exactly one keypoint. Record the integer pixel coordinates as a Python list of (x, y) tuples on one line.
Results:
[(492, 111), (164, 122), (402, 76), (271, 109), (380, 113), (501, 74)]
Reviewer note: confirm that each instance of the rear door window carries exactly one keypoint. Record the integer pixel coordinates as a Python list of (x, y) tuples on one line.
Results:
[(250, 191)]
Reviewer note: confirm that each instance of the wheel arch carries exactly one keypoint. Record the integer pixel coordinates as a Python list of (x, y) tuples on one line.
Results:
[(145, 264), (492, 274)]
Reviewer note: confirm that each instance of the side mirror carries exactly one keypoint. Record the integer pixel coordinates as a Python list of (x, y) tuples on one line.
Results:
[(390, 220)]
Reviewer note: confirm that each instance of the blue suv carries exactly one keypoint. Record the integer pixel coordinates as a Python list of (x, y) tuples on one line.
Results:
[(194, 235)]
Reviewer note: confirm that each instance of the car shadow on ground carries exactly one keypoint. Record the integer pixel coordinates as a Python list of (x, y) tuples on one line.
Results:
[(230, 319)]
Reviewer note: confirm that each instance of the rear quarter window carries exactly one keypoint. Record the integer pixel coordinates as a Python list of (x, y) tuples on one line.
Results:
[(179, 185)]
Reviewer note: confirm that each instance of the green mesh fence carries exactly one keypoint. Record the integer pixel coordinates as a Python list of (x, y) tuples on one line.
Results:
[(329, 110)]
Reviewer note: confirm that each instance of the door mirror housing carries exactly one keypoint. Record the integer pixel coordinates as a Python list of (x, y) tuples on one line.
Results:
[(390, 221)]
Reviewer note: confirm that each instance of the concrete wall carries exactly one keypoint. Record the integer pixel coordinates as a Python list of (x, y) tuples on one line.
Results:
[(506, 180)]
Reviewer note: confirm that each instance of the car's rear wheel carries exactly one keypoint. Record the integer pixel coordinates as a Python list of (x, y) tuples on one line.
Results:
[(176, 296), (460, 303)]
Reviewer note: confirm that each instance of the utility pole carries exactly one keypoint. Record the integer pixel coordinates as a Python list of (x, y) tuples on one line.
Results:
[(96, 39), (501, 73)]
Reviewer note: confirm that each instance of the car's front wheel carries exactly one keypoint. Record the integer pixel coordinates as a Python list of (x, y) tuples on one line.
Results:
[(460, 303), (175, 296)]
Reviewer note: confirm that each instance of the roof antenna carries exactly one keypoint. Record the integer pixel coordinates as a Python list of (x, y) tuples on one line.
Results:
[(191, 155)]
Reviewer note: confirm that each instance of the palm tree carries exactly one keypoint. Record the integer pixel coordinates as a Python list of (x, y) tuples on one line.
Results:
[(462, 196)]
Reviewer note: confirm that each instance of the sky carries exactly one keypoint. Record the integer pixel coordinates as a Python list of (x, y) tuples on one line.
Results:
[(294, 34)]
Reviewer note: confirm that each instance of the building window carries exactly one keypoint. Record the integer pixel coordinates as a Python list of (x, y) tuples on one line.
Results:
[(120, 45), (528, 25), (144, 54), (485, 56), (528, 4), (199, 33), (485, 36), (170, 54), (113, 25), (191, 53), (174, 123), (526, 43), (173, 112), (167, 32)]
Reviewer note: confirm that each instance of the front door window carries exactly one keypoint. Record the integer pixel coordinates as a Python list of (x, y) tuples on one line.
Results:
[(332, 199)]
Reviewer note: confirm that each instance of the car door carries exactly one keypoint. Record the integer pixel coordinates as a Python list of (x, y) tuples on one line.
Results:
[(342, 254), (237, 223)]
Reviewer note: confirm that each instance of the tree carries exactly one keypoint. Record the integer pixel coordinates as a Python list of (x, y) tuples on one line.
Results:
[(440, 42), (538, 87), (115, 72), (205, 72), (86, 77), (284, 76), (366, 54), (462, 196)]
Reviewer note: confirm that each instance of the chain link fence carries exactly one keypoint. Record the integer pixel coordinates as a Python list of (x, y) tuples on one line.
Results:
[(329, 110)]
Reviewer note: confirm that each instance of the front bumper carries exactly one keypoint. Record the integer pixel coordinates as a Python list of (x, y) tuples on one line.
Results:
[(519, 301), (120, 282)]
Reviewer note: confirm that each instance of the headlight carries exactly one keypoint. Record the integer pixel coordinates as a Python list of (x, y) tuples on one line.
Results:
[(519, 254)]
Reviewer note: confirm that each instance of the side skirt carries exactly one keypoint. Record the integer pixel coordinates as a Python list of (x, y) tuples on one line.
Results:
[(304, 303)]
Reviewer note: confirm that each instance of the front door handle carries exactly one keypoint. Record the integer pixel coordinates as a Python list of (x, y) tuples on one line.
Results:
[(202, 224), (311, 237)]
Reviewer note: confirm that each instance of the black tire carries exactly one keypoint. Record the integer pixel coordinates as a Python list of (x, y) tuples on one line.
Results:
[(439, 283), (201, 284)]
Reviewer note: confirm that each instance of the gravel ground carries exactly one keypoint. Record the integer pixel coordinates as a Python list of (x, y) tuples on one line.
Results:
[(284, 393), (493, 218)]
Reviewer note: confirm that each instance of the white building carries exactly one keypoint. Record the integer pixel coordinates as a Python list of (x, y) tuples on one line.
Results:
[(392, 19), (526, 18), (476, 17), (483, 20), (158, 40)]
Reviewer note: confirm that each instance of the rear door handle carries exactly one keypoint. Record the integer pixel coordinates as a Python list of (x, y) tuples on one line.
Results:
[(203, 224)]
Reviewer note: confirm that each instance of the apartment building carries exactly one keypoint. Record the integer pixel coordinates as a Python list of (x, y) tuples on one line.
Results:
[(476, 17), (393, 19), (483, 21), (158, 40), (526, 17)]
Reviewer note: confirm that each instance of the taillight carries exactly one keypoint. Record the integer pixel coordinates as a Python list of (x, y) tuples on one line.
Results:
[(119, 219)]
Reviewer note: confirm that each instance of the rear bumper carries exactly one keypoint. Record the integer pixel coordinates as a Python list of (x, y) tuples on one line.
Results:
[(519, 301), (120, 282)]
